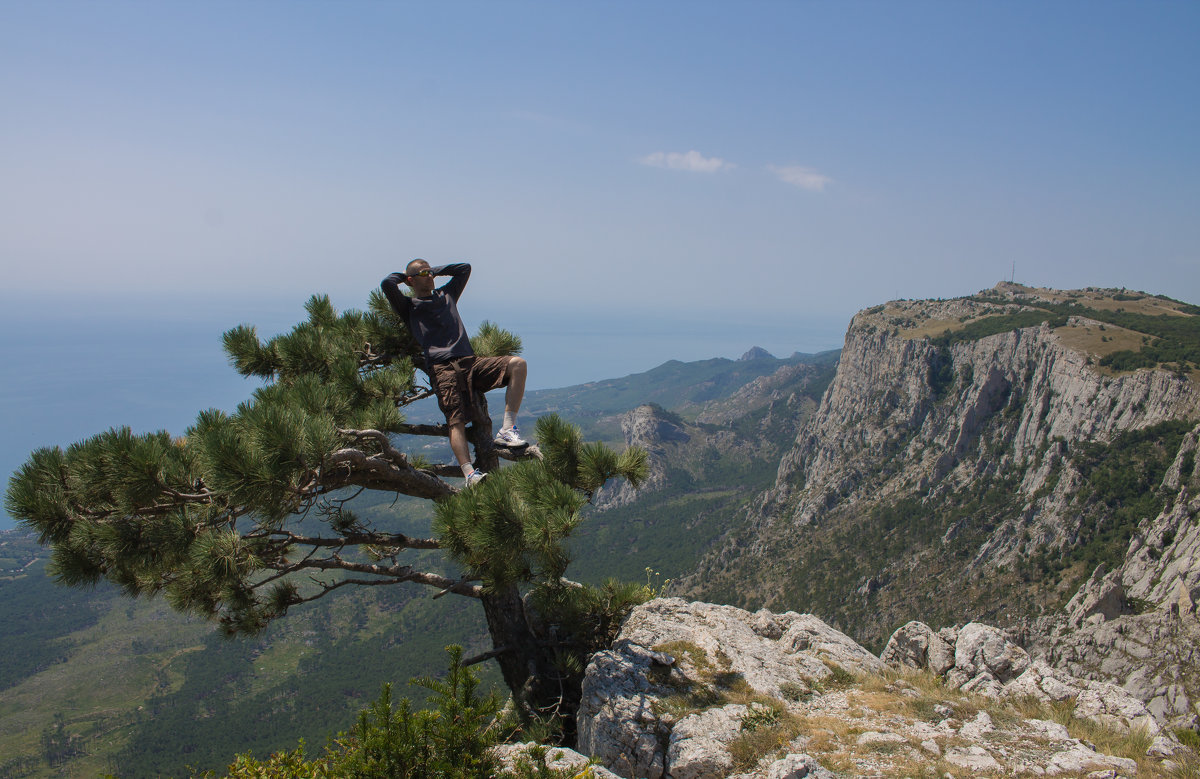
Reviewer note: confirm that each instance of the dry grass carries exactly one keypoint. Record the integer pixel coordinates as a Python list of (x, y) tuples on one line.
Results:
[(771, 737), (709, 685), (1187, 766), (866, 702), (933, 328), (914, 694), (1099, 341)]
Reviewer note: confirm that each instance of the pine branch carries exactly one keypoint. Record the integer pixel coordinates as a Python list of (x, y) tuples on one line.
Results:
[(433, 431), (446, 469), (327, 588), (398, 573), (352, 539), (485, 656), (530, 452), (388, 470)]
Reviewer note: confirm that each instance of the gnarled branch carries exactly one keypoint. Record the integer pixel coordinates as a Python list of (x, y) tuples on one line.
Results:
[(356, 539), (396, 573), (389, 470)]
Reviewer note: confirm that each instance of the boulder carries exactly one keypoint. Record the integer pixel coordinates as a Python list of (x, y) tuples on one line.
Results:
[(983, 651), (916, 645)]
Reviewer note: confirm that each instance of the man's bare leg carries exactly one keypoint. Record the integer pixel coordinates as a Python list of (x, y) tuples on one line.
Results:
[(518, 369), (461, 448)]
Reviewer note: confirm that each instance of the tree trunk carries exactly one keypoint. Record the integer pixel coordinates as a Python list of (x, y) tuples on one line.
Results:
[(479, 434), (538, 688)]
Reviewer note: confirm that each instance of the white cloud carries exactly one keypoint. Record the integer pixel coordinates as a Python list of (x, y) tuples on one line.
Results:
[(805, 178), (692, 160)]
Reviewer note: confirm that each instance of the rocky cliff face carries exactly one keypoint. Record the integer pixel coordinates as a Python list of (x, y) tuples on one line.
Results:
[(976, 451), (950, 413)]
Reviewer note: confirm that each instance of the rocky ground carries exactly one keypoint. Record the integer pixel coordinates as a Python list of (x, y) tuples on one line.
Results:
[(693, 690)]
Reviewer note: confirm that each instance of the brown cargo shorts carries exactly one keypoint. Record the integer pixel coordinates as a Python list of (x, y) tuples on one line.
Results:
[(457, 381)]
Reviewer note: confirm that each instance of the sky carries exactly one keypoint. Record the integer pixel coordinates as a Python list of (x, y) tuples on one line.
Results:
[(631, 181)]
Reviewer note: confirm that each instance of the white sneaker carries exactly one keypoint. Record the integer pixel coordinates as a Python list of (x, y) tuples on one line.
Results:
[(475, 477), (510, 438)]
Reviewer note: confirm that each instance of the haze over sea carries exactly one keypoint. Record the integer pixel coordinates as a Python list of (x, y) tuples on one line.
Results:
[(76, 371)]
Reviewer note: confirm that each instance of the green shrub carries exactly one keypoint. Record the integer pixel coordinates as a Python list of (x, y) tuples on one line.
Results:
[(453, 740)]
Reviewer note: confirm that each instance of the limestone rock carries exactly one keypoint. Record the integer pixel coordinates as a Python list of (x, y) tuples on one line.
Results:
[(791, 766), (1003, 417), (697, 747), (1150, 654), (972, 758), (669, 441), (987, 663), (916, 645), (1102, 595), (616, 722), (983, 651), (556, 758), (686, 682), (797, 767), (810, 635)]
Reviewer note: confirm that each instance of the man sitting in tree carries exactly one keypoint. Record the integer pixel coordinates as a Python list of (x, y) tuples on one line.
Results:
[(455, 372)]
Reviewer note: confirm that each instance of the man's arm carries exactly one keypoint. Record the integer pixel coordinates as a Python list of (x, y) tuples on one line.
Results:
[(391, 290), (459, 271)]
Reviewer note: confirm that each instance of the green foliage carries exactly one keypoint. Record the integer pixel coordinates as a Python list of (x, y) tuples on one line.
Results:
[(303, 677), (1001, 323), (201, 518), (391, 740), (1122, 483), (1189, 737), (512, 527), (1176, 338), (493, 341), (941, 371), (156, 514), (59, 746), (586, 618), (38, 615)]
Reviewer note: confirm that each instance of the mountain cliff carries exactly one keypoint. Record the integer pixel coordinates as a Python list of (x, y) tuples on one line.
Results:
[(977, 459)]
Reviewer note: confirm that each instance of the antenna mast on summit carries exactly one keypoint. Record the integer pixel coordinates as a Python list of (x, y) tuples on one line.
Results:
[(1013, 278)]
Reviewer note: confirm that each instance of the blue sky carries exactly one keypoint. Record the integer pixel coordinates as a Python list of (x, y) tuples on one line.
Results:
[(635, 180), (800, 156)]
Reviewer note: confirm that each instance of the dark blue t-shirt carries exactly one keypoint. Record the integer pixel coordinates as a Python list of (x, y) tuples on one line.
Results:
[(434, 321)]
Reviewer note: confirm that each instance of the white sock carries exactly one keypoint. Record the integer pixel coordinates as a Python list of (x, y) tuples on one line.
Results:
[(510, 421), (467, 469)]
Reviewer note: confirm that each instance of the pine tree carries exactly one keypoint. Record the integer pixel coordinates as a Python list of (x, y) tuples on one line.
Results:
[(219, 521)]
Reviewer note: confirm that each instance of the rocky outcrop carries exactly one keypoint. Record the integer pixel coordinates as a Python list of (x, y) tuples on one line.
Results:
[(756, 353), (672, 443), (1151, 655), (699, 690), (532, 755), (1137, 626), (985, 661), (626, 719)]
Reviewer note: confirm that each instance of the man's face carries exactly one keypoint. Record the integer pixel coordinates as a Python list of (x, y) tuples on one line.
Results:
[(419, 277)]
